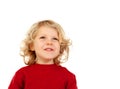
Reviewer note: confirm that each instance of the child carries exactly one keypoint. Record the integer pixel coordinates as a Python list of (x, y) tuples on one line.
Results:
[(43, 50)]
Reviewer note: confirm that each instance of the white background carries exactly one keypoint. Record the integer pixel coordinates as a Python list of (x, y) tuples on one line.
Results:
[(92, 25)]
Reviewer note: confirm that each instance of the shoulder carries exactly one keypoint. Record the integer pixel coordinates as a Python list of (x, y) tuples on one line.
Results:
[(71, 78), (22, 72), (23, 69), (66, 71)]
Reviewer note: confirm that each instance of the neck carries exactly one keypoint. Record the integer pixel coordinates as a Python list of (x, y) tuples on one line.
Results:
[(50, 61)]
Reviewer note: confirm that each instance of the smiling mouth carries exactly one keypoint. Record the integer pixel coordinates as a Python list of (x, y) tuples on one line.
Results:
[(49, 49)]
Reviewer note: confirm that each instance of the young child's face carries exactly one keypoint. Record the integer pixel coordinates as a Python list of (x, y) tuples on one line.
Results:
[(46, 45)]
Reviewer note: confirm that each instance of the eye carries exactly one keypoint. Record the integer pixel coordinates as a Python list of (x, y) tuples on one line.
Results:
[(42, 37), (55, 38)]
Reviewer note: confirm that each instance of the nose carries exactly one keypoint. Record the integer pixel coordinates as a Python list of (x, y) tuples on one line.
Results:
[(49, 42)]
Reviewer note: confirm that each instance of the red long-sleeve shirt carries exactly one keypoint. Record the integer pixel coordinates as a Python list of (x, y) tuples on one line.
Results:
[(39, 76)]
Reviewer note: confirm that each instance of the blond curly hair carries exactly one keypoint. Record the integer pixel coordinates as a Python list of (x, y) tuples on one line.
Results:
[(29, 56)]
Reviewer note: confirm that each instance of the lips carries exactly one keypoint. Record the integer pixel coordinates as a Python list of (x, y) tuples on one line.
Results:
[(48, 49)]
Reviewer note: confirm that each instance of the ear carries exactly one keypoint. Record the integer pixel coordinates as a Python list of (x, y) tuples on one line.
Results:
[(32, 47)]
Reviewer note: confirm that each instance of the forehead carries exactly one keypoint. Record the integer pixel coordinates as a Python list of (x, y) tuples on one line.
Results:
[(47, 30)]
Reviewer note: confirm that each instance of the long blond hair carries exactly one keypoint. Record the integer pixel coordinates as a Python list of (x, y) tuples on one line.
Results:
[(29, 56)]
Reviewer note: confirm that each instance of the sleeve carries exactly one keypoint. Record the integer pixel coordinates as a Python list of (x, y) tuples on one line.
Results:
[(72, 83), (17, 81)]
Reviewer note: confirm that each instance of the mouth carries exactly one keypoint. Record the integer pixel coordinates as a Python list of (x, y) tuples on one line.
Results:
[(48, 49)]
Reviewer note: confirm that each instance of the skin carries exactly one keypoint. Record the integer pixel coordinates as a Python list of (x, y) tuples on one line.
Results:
[(46, 45)]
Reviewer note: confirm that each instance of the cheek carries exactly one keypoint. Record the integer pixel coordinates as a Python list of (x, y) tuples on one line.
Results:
[(58, 48), (37, 45)]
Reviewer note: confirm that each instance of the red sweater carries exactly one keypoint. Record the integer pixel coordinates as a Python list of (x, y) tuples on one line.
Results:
[(39, 76)]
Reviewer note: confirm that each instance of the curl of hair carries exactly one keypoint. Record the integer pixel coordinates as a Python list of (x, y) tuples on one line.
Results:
[(29, 56)]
